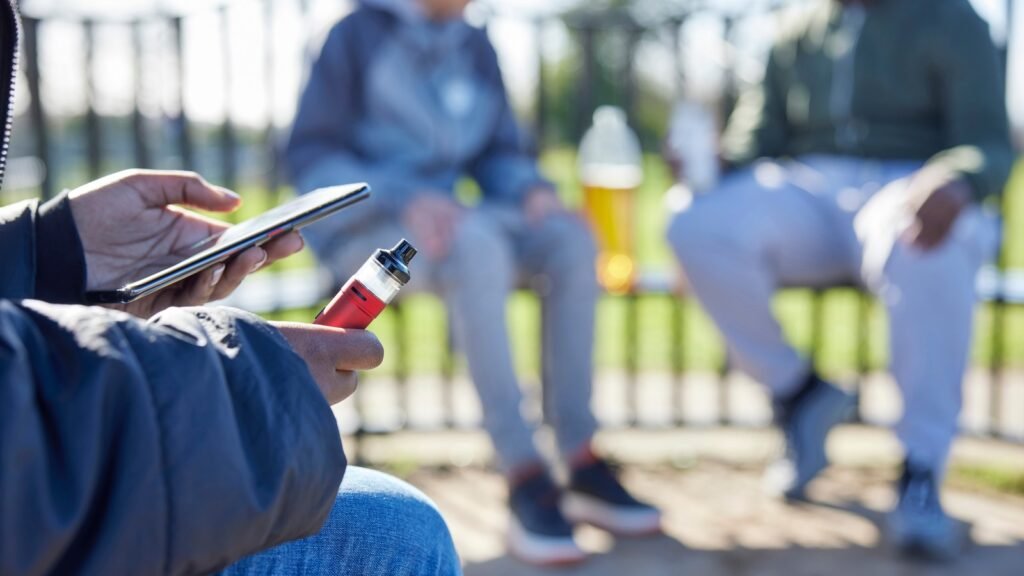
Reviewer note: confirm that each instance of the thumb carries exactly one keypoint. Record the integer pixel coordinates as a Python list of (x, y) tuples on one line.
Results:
[(166, 187)]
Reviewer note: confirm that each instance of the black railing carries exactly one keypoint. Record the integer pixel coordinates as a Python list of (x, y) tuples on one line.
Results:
[(247, 156)]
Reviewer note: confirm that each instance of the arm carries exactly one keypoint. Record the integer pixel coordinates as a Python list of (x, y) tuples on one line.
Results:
[(319, 151), (52, 270), (504, 170), (973, 102), (173, 446), (757, 127)]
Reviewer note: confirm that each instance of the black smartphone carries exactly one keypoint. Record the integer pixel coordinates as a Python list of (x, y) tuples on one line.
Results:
[(289, 216)]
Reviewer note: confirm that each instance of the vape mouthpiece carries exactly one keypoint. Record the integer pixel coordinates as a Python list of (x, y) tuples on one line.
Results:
[(396, 261), (403, 251)]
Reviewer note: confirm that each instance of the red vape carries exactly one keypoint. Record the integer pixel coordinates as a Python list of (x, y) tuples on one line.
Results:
[(370, 290)]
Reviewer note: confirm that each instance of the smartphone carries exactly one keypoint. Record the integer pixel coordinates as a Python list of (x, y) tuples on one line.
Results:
[(289, 216)]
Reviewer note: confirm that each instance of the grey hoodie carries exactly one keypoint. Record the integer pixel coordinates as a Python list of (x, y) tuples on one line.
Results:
[(407, 105)]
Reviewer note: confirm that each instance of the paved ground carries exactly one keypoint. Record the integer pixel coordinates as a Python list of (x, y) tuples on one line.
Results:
[(718, 523), (717, 520)]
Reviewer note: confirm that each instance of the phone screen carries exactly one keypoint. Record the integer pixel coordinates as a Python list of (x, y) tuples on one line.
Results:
[(291, 215)]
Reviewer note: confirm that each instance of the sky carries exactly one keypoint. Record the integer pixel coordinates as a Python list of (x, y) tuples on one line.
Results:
[(248, 97)]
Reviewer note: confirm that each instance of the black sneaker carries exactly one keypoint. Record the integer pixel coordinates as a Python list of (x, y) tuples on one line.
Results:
[(596, 497), (805, 420), (538, 532)]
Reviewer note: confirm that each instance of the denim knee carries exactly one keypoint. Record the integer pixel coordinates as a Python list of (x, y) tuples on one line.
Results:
[(480, 256), (379, 525), (402, 525), (568, 241)]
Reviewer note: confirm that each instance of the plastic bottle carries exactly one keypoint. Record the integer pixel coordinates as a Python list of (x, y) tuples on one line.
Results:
[(610, 167)]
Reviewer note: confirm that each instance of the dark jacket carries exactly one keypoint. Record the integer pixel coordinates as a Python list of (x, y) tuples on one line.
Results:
[(173, 446), (921, 80)]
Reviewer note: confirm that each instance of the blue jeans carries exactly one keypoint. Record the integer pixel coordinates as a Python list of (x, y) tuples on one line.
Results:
[(378, 525)]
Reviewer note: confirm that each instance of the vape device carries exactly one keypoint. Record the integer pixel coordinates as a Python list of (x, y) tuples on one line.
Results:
[(370, 290)]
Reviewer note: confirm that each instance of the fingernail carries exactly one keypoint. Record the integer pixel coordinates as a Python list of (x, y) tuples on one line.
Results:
[(229, 193), (261, 261), (218, 273)]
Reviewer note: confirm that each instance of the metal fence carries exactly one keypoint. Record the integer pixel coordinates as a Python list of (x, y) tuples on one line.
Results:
[(56, 148)]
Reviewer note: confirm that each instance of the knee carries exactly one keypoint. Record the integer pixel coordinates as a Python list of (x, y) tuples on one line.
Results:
[(479, 253), (690, 233), (569, 243), (407, 522)]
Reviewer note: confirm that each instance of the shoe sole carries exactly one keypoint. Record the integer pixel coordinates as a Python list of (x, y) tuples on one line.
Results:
[(539, 550), (621, 521)]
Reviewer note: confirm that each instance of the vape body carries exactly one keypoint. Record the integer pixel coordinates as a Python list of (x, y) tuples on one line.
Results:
[(370, 290)]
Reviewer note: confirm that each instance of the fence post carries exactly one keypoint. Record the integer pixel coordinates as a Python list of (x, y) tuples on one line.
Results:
[(35, 110), (185, 150), (228, 141), (143, 159), (92, 121)]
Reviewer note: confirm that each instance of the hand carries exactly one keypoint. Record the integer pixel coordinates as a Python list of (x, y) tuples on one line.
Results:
[(936, 198), (432, 217), (333, 355), (130, 227), (541, 203)]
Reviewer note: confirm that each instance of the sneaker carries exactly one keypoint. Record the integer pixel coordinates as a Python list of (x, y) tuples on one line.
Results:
[(805, 420), (918, 526), (538, 532), (596, 497)]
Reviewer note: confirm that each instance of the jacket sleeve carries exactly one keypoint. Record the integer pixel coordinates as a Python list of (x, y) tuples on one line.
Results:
[(40, 252), (175, 446), (319, 150), (757, 127), (504, 170), (969, 76)]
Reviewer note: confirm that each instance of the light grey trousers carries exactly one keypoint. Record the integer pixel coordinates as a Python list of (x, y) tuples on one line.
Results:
[(493, 249), (820, 220)]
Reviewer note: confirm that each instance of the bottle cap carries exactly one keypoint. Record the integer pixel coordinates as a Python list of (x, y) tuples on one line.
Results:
[(396, 261)]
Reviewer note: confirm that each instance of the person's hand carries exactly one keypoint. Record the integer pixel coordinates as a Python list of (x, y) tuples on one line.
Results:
[(333, 355), (542, 202), (131, 226), (431, 217), (936, 199)]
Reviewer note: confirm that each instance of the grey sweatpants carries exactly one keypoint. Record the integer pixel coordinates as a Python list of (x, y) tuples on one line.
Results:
[(821, 220), (494, 248)]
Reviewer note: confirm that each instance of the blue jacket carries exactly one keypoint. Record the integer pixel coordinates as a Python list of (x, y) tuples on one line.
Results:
[(171, 446), (406, 105)]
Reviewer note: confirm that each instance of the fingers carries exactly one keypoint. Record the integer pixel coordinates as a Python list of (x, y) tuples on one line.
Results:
[(166, 187), (237, 269), (283, 246)]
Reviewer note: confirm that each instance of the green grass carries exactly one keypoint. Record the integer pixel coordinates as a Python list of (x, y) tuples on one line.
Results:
[(424, 318), (1001, 480)]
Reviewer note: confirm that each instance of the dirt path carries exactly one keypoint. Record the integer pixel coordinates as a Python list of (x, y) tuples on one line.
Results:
[(719, 523)]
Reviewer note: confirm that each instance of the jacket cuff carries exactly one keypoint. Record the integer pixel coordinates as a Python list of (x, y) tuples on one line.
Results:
[(60, 257)]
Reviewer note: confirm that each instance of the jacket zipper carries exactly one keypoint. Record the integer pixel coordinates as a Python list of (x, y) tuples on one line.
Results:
[(7, 75)]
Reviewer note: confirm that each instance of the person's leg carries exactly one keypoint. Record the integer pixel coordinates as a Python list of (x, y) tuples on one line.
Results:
[(476, 278), (558, 254), (378, 525), (930, 298), (737, 244)]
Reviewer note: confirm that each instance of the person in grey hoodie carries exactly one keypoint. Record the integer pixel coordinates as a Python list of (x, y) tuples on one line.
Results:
[(180, 441), (408, 96)]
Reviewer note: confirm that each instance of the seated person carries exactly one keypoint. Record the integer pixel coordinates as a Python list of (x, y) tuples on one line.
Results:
[(407, 96), (177, 440), (882, 125)]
